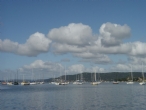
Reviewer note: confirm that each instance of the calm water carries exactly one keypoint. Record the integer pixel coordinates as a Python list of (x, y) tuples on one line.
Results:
[(106, 96)]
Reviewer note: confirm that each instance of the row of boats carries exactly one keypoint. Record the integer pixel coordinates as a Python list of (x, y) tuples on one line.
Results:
[(21, 83), (130, 82), (77, 82)]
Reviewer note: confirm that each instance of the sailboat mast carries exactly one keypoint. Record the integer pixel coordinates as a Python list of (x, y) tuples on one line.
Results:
[(142, 72), (23, 77), (17, 76), (131, 74), (60, 74), (32, 75), (65, 73), (95, 75), (81, 76)]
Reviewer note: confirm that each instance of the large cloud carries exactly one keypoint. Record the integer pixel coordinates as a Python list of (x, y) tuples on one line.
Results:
[(75, 40), (65, 48), (73, 34), (57, 69), (39, 64), (78, 39), (36, 44), (127, 68), (137, 60), (93, 57), (8, 46), (113, 34), (77, 68), (138, 49)]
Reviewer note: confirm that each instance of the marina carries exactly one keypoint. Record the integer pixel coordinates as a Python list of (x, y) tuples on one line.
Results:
[(72, 55)]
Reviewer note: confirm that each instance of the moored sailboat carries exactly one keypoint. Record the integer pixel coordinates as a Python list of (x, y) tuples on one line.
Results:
[(33, 82), (24, 82), (131, 82), (78, 80), (99, 78), (116, 82), (94, 82), (142, 83)]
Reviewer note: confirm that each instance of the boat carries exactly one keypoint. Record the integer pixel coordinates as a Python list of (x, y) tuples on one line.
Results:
[(9, 83), (115, 82), (32, 83), (64, 82), (99, 78), (25, 83), (131, 82), (42, 82), (75, 82), (142, 83), (15, 83), (78, 82), (16, 79), (94, 82), (57, 83), (4, 83)]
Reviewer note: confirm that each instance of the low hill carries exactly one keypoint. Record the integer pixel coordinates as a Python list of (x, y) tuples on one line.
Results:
[(120, 76)]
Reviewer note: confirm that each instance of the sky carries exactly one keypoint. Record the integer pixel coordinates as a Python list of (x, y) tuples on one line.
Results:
[(49, 38)]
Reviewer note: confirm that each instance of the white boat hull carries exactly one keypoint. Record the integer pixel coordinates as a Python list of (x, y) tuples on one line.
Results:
[(33, 83), (115, 82), (77, 83), (94, 83), (9, 83), (130, 82), (142, 83), (25, 83)]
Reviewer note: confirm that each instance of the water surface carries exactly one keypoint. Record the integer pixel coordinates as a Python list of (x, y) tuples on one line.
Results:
[(106, 96)]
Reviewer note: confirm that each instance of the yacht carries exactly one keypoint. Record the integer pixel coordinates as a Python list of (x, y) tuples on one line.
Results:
[(131, 82), (25, 83), (94, 82), (115, 82), (9, 83), (78, 82), (142, 83), (32, 83)]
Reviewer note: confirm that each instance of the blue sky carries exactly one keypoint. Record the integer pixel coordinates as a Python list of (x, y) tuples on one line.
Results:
[(83, 35)]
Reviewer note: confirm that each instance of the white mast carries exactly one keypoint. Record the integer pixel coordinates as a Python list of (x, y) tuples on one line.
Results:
[(131, 74), (65, 73), (95, 75), (142, 72)]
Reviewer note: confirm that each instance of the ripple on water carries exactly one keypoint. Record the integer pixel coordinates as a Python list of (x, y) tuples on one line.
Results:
[(73, 97)]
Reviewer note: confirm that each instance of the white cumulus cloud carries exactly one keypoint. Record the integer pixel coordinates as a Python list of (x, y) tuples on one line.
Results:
[(36, 44), (73, 34), (113, 34)]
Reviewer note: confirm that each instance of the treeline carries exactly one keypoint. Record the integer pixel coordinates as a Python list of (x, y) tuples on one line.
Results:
[(112, 76)]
